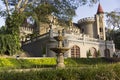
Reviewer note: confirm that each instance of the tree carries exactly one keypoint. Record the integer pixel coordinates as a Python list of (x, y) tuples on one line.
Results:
[(117, 38), (19, 5), (9, 37), (113, 20), (64, 9), (9, 44), (3, 30)]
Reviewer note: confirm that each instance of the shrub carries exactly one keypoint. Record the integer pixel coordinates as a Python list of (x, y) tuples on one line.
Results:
[(110, 72), (11, 63), (88, 54), (26, 63), (91, 69)]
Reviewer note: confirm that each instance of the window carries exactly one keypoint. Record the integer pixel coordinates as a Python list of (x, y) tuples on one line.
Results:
[(101, 29), (107, 53), (93, 52), (75, 52)]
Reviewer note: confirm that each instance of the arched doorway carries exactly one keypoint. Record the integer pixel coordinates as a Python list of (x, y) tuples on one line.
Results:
[(107, 53), (93, 52), (75, 52)]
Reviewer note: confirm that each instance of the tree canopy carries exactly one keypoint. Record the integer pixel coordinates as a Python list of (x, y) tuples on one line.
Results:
[(113, 19), (117, 39), (17, 10), (113, 22), (66, 8)]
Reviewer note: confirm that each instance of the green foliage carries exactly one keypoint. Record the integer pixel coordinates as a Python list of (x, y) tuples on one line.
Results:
[(9, 37), (63, 9), (8, 63), (13, 22), (89, 54), (98, 53), (63, 22), (82, 62), (113, 19), (111, 72), (49, 62), (76, 69), (42, 11), (9, 44), (3, 30), (26, 63), (117, 39), (115, 36)]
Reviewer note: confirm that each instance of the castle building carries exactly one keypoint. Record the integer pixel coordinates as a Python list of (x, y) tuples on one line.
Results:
[(85, 38)]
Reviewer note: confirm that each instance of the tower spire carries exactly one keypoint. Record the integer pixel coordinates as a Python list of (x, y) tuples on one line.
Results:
[(100, 10)]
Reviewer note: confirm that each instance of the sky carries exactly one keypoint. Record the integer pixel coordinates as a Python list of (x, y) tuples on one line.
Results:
[(86, 11)]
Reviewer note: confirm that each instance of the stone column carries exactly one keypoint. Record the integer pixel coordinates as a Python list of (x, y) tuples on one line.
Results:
[(60, 60)]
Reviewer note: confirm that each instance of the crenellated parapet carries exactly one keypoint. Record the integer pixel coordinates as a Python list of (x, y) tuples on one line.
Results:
[(86, 20), (26, 30), (82, 38)]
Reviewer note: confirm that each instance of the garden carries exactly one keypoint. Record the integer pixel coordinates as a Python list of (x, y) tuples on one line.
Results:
[(45, 69)]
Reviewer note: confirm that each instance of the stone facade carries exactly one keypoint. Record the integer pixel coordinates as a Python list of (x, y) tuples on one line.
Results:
[(86, 36)]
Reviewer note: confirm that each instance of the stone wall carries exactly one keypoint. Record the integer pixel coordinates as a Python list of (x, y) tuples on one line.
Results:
[(34, 47), (84, 42)]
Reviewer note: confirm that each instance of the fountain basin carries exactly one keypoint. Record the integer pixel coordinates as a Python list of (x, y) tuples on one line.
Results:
[(60, 49)]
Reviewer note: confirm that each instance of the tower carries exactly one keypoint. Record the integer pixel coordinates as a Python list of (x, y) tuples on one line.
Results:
[(100, 23)]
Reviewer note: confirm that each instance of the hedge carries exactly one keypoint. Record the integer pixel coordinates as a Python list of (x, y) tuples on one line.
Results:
[(26, 63), (10, 63), (111, 72)]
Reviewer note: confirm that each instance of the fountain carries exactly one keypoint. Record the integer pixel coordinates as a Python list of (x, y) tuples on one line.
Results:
[(60, 50)]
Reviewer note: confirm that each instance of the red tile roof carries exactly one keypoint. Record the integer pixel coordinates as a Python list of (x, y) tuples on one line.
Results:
[(100, 10)]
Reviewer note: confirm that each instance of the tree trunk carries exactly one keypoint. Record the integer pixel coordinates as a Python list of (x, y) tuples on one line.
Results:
[(6, 4)]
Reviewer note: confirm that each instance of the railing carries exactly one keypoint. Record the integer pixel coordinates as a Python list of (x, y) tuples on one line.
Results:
[(36, 38), (85, 38), (70, 36)]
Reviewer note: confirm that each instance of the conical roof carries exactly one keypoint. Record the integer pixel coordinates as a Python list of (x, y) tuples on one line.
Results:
[(100, 10)]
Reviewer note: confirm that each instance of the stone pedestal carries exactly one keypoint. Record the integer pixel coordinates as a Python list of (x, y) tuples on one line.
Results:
[(60, 60)]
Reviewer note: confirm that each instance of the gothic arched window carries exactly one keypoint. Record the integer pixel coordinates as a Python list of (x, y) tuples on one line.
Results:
[(93, 52), (75, 52)]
